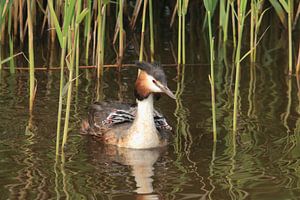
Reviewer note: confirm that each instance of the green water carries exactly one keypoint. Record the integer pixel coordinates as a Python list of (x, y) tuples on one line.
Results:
[(260, 162)]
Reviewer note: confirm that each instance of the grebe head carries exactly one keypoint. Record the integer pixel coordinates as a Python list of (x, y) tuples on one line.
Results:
[(151, 79)]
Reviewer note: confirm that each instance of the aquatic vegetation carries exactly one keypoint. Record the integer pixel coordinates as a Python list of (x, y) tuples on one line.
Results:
[(211, 76), (143, 30), (83, 29), (31, 57), (241, 15), (68, 45)]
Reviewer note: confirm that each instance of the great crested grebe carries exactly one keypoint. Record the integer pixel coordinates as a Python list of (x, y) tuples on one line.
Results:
[(140, 127)]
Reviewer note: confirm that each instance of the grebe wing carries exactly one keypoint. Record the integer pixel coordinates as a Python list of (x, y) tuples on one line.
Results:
[(118, 116), (103, 115), (100, 112)]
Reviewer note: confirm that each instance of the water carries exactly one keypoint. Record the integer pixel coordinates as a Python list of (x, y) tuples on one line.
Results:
[(260, 162)]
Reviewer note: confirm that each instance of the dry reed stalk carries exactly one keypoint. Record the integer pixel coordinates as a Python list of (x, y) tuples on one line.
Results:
[(31, 56), (121, 41), (298, 62), (99, 36), (135, 14), (151, 31), (143, 30), (21, 24), (15, 16)]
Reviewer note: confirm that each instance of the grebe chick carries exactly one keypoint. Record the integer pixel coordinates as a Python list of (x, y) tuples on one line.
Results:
[(140, 127)]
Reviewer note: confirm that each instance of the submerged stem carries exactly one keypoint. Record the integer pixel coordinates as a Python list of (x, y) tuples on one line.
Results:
[(62, 59), (212, 79)]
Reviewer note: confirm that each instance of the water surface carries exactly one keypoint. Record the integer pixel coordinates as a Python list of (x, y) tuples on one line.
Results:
[(260, 161)]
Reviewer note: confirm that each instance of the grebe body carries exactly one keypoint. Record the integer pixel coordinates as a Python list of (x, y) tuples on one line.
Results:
[(139, 127)]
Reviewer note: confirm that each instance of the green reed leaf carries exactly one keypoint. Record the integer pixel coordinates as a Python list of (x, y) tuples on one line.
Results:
[(279, 10), (210, 5), (81, 16), (69, 13), (65, 89), (185, 6), (9, 58), (56, 23), (284, 5), (261, 17)]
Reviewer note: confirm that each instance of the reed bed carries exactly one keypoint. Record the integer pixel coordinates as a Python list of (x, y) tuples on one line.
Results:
[(79, 26)]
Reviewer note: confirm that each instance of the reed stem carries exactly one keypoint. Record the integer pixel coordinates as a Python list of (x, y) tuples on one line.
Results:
[(241, 17), (179, 12), (233, 24), (212, 79), (72, 49), (184, 9), (21, 26), (60, 101), (11, 44), (290, 37), (99, 36), (87, 31), (69, 97), (103, 35), (183, 39), (151, 31), (70, 86), (143, 30), (31, 57), (225, 32), (252, 31), (77, 63), (121, 38), (77, 47), (298, 60)]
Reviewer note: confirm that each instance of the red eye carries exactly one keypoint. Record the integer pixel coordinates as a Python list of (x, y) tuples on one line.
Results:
[(154, 81)]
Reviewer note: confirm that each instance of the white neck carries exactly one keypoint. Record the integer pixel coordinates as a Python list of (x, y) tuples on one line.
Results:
[(144, 115), (143, 133)]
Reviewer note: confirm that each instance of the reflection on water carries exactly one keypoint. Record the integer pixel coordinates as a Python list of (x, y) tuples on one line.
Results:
[(260, 162), (262, 159), (141, 163)]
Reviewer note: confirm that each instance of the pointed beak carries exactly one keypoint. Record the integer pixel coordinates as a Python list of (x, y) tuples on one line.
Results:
[(168, 92), (164, 89)]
